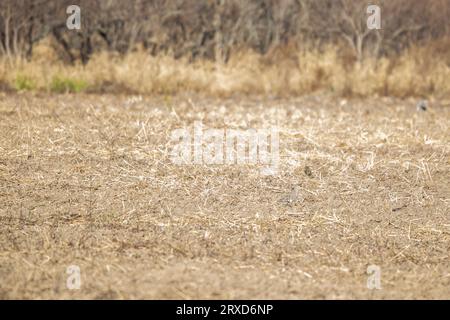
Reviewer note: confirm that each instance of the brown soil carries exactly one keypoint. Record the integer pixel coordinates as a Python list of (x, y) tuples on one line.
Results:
[(86, 180)]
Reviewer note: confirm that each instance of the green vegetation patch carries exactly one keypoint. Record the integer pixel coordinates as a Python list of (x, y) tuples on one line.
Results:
[(23, 82), (64, 85)]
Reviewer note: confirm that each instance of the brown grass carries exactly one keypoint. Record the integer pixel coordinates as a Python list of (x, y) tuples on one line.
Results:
[(419, 71), (86, 180)]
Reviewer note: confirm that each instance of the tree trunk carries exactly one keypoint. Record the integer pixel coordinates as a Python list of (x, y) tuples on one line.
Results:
[(218, 36)]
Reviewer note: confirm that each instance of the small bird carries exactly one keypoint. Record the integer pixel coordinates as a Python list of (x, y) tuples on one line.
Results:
[(308, 171), (422, 105), (293, 197)]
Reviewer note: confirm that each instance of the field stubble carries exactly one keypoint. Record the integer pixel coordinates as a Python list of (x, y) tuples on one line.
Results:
[(86, 180)]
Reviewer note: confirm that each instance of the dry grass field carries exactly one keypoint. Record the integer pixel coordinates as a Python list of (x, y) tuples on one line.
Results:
[(284, 72), (87, 180)]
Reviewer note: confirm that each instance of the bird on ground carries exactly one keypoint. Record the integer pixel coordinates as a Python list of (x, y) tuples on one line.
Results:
[(293, 197), (422, 105)]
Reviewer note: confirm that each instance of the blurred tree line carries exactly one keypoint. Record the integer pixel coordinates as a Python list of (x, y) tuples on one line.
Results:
[(213, 29)]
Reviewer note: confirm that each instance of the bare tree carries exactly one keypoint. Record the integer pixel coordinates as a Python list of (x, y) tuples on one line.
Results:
[(214, 29)]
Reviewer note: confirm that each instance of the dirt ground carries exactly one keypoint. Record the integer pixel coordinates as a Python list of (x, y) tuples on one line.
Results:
[(87, 180)]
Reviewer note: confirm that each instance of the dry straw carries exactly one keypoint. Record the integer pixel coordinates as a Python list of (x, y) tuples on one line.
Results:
[(418, 71)]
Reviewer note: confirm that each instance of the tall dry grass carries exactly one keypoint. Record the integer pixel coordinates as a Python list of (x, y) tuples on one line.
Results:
[(418, 71)]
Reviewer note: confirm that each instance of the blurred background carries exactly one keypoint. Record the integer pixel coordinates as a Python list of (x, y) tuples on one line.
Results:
[(227, 47), (88, 120)]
